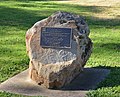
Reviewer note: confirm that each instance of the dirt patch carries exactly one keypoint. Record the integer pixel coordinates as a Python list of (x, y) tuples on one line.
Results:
[(110, 9), (93, 2)]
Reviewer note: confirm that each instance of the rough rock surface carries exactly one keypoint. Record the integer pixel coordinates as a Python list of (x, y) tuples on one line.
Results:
[(54, 68)]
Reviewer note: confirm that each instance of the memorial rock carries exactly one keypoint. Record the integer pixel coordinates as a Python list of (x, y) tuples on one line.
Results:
[(54, 64)]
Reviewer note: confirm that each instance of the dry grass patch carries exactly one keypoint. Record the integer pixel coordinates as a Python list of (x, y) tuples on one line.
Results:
[(106, 9)]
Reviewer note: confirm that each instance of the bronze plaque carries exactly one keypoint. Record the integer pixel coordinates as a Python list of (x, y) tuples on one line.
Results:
[(55, 37)]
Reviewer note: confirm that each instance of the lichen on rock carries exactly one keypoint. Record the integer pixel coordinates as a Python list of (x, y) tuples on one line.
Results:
[(57, 67)]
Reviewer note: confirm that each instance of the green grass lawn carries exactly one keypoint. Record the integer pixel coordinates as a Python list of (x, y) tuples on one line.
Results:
[(16, 17)]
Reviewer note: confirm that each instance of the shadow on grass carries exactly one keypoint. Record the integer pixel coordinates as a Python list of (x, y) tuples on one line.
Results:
[(18, 16), (27, 0), (113, 79), (110, 46)]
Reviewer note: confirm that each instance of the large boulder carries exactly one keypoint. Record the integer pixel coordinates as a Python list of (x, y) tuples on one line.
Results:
[(57, 67)]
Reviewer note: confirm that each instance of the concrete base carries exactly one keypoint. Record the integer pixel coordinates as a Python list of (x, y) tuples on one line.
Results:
[(21, 84)]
